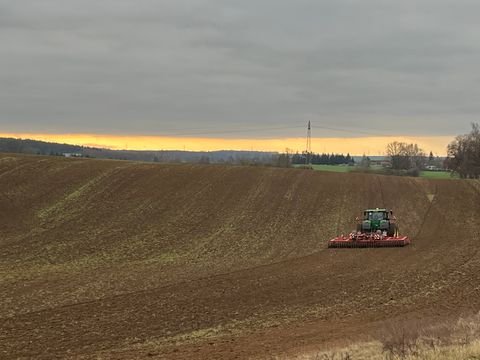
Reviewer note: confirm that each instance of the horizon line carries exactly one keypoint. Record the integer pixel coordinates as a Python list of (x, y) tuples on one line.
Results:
[(356, 146)]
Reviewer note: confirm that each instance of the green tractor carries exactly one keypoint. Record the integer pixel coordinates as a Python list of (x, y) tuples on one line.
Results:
[(378, 228), (375, 220)]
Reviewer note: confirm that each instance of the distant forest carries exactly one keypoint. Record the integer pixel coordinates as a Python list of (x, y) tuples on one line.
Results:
[(11, 145), (323, 159), (25, 146)]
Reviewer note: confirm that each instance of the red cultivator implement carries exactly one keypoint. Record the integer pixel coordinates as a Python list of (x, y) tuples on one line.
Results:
[(377, 229), (355, 240)]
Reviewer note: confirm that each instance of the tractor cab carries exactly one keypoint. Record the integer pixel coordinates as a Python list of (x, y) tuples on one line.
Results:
[(375, 219)]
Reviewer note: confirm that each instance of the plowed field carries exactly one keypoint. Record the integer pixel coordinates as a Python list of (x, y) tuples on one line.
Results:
[(128, 260)]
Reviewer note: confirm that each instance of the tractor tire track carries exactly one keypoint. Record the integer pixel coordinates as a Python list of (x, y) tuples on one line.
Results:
[(427, 213)]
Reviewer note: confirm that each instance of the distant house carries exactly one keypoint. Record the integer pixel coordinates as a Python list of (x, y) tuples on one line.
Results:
[(433, 168), (68, 155), (380, 162), (386, 163)]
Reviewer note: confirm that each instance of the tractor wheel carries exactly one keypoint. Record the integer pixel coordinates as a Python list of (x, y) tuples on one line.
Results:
[(392, 229)]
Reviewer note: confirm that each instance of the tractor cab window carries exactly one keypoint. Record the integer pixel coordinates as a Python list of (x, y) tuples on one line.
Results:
[(375, 216), (378, 216)]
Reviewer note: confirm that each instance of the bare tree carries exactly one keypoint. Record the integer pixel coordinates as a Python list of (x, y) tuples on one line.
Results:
[(464, 154), (405, 156), (365, 162)]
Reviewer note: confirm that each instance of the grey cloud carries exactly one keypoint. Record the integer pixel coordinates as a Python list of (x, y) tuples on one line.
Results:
[(146, 66)]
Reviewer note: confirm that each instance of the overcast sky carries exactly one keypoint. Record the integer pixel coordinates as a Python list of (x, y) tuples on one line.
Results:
[(233, 68)]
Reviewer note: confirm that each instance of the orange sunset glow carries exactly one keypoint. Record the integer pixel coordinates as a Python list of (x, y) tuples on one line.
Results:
[(354, 146)]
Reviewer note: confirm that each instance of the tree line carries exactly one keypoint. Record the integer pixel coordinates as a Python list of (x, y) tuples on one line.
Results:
[(404, 158), (322, 159), (463, 156)]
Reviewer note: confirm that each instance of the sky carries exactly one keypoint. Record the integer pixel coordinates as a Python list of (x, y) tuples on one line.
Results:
[(210, 74)]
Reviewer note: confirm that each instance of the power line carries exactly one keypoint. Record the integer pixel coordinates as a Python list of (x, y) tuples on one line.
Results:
[(353, 131), (237, 131), (206, 132)]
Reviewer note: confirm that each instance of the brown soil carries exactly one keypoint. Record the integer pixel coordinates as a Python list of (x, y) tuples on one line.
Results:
[(127, 260)]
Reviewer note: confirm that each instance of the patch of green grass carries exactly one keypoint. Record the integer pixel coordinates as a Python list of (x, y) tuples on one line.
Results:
[(344, 169), (333, 168), (437, 175)]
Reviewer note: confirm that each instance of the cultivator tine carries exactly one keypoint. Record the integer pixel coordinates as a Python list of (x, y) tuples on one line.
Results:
[(368, 243)]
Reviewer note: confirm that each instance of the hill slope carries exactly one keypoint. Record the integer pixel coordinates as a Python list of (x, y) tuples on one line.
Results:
[(27, 146), (101, 257)]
